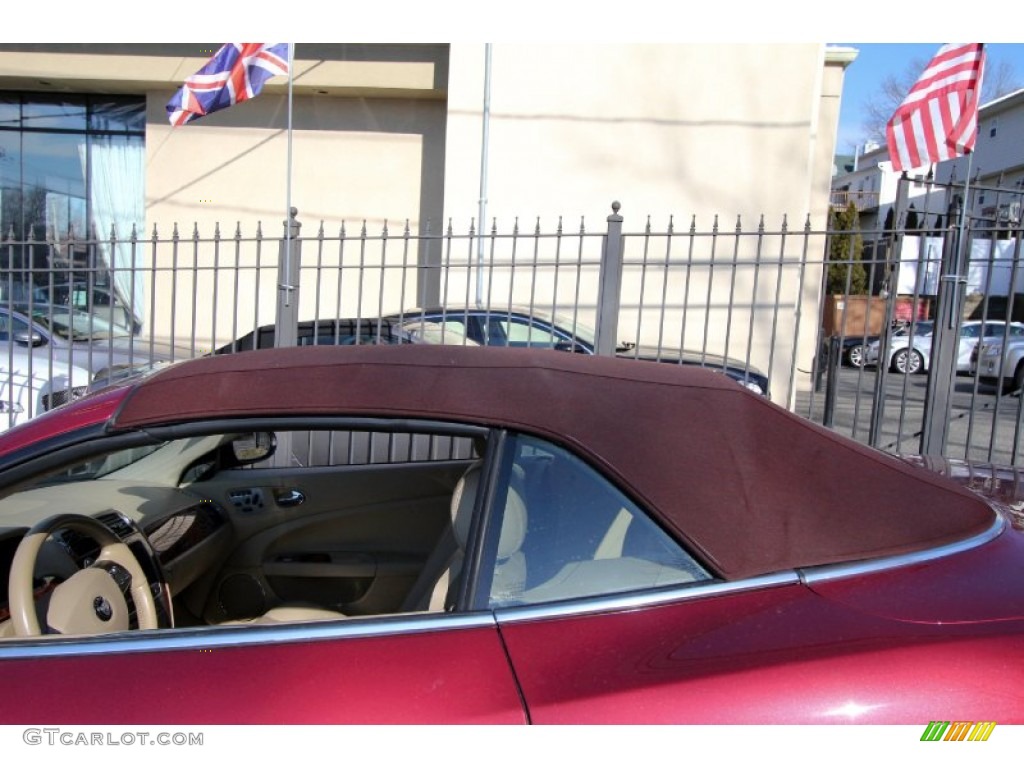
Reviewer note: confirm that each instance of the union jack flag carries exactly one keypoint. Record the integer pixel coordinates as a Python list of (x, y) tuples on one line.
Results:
[(236, 73)]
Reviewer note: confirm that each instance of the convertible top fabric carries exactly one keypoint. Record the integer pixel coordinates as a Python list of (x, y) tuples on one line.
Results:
[(750, 487)]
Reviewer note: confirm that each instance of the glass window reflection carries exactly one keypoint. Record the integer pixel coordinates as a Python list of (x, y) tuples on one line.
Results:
[(62, 112), (117, 115), (10, 112)]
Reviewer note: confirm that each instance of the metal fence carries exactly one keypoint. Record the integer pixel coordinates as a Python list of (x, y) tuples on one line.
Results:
[(750, 292), (941, 328)]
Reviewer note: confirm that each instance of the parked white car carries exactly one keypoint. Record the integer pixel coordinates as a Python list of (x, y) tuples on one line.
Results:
[(31, 384), (913, 355)]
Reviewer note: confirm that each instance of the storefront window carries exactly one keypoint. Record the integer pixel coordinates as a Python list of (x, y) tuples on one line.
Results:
[(72, 173)]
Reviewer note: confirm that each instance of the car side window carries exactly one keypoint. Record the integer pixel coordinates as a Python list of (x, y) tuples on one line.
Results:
[(11, 326), (567, 532), (435, 332), (525, 334), (438, 330)]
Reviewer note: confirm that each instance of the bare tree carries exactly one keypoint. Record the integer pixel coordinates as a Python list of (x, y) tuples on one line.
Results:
[(999, 79)]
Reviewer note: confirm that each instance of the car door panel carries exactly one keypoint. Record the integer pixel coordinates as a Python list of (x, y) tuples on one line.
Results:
[(418, 670), (355, 543)]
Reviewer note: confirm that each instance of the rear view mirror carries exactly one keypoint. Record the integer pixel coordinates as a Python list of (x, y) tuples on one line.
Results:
[(253, 447), (27, 339)]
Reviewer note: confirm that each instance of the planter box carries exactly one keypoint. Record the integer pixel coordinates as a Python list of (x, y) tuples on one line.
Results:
[(865, 315)]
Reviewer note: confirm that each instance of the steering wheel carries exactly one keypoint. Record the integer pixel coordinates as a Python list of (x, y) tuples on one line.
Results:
[(92, 601)]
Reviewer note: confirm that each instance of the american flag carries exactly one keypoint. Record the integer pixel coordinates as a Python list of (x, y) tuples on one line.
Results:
[(236, 73), (938, 120)]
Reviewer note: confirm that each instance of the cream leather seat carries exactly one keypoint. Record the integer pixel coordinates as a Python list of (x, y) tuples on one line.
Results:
[(287, 614)]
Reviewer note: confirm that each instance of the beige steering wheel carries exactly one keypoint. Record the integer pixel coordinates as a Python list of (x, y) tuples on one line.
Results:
[(92, 601)]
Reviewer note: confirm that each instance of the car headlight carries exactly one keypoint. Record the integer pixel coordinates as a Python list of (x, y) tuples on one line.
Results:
[(753, 386), (992, 350)]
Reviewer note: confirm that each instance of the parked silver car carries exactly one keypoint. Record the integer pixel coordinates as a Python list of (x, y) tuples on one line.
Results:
[(31, 384), (84, 340), (910, 349)]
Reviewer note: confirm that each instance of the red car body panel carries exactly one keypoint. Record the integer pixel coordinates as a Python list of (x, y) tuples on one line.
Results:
[(444, 676), (91, 411), (794, 657), (958, 589)]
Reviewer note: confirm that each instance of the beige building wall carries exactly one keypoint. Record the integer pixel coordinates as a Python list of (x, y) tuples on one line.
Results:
[(680, 133)]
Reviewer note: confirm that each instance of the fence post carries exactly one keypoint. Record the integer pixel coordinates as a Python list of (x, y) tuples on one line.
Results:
[(609, 290), (893, 255), (286, 321), (832, 360), (945, 337)]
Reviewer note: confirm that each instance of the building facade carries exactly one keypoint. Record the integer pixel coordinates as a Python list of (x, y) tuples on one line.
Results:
[(410, 137)]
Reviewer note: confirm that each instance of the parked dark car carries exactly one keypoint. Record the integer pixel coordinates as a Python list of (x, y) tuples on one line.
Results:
[(521, 327), (342, 332), (853, 349), (508, 536)]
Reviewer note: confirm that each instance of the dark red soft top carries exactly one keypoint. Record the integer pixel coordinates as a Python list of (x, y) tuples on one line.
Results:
[(750, 486)]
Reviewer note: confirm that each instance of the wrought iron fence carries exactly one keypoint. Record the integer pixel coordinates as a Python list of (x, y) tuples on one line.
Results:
[(750, 297)]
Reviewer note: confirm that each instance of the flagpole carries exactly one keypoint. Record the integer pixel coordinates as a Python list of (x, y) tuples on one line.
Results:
[(483, 177), (970, 153), (286, 285)]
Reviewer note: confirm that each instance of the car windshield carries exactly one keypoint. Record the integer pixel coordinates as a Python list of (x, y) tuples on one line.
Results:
[(99, 467), (98, 301), (76, 326)]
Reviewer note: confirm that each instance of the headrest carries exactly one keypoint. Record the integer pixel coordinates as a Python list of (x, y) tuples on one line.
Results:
[(513, 524), (463, 499), (514, 519)]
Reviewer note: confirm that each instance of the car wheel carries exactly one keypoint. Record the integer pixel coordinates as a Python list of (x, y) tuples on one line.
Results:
[(855, 356), (907, 361)]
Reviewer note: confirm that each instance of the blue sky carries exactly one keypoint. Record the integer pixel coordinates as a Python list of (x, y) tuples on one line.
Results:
[(877, 60)]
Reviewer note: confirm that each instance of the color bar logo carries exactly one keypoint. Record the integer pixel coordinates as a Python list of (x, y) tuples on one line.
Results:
[(959, 730)]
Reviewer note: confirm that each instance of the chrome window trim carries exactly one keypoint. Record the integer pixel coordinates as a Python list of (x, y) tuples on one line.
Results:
[(632, 600), (819, 574), (239, 635)]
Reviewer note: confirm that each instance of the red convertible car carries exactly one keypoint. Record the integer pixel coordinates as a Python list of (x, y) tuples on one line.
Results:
[(427, 534)]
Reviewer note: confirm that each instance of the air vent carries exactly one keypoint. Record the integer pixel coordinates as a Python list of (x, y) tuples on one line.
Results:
[(118, 523)]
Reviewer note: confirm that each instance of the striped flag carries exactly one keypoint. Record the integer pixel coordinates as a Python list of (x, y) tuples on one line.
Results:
[(938, 120), (236, 73)]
